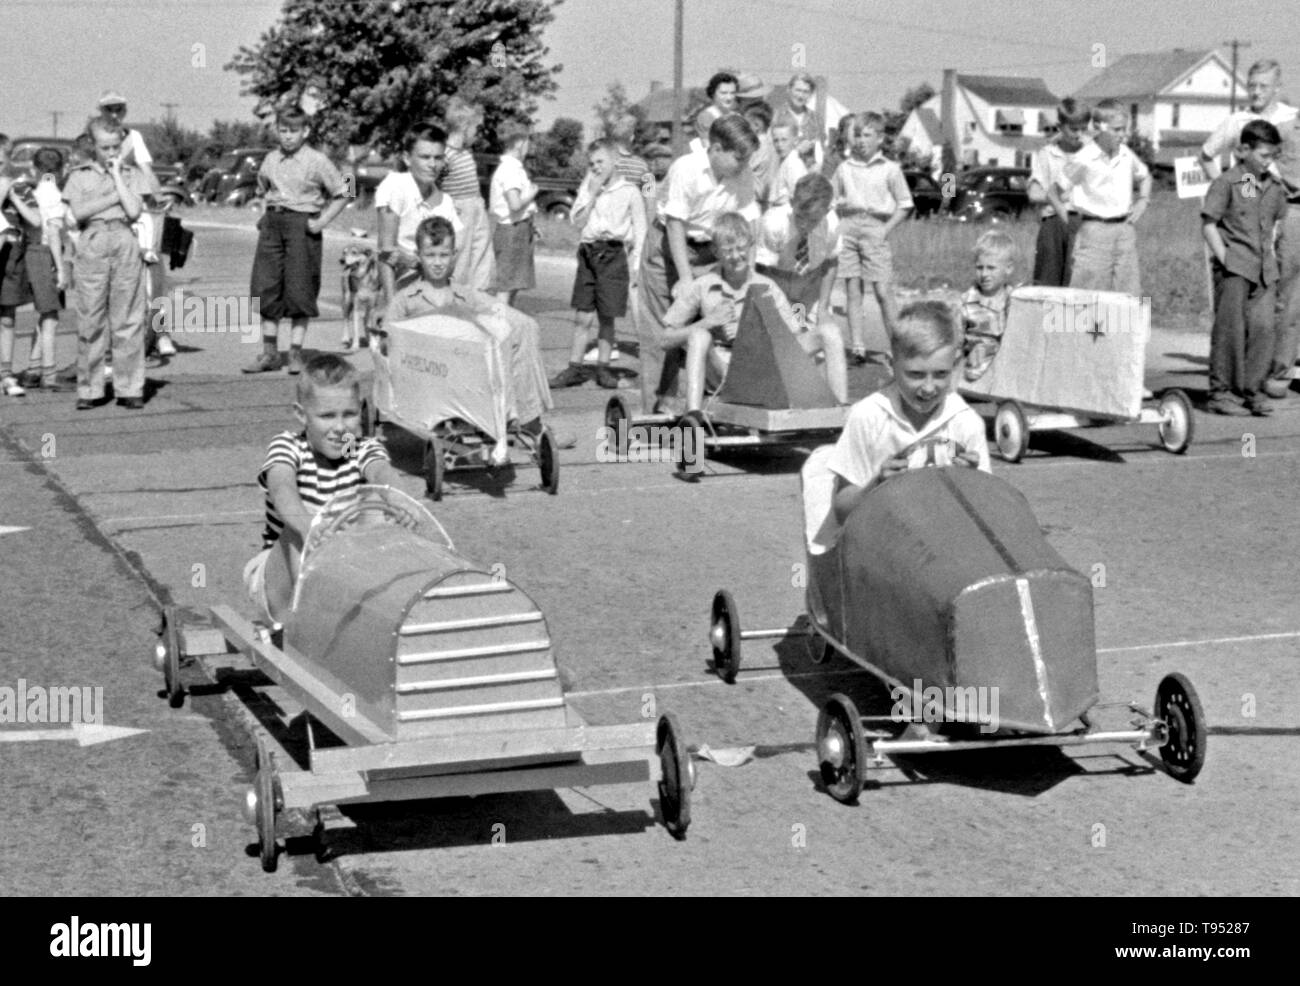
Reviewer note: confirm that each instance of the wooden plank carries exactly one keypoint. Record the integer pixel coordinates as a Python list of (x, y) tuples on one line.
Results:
[(478, 747), (783, 419), (202, 641), (304, 790), (319, 693)]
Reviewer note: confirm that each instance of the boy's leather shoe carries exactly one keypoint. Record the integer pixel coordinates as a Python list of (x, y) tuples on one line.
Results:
[(573, 375), (1225, 405), (1258, 405), (265, 363), (131, 403)]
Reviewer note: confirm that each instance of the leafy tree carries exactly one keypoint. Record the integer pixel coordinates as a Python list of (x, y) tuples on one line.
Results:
[(388, 64), (227, 135), (169, 142), (558, 152), (615, 104), (915, 96)]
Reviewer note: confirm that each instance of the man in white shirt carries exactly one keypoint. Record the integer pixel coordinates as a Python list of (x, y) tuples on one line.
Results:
[(1263, 83)]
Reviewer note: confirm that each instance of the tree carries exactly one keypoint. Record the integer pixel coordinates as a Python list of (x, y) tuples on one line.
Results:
[(914, 97), (558, 152), (169, 142), (388, 64)]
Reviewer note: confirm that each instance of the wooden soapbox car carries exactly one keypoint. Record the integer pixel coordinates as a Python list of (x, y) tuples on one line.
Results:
[(442, 377), (773, 395), (1075, 359), (941, 585), (431, 677)]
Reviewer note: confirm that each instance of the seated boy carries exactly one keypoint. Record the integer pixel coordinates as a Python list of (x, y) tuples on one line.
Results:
[(984, 305), (906, 423), (799, 249), (304, 469), (528, 395), (706, 315)]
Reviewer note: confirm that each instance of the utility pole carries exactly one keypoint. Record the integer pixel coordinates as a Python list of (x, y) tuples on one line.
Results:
[(170, 109), (56, 114), (1232, 98), (678, 94)]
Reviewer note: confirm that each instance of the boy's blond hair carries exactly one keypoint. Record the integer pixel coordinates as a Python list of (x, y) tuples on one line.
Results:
[(1110, 112), (999, 246), (326, 370), (733, 226), (923, 328)]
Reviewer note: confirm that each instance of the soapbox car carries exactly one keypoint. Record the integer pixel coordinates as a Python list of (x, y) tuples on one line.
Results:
[(423, 675), (941, 585), (773, 395), (1071, 358), (443, 378)]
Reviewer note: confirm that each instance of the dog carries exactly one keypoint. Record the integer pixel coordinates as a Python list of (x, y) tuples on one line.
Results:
[(361, 295)]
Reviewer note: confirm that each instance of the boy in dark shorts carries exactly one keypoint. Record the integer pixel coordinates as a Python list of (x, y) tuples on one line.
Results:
[(611, 212), (303, 193)]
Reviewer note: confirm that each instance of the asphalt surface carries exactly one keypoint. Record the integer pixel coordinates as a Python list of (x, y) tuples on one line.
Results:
[(121, 512)]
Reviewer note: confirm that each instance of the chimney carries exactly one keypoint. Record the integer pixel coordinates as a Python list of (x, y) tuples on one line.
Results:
[(948, 120)]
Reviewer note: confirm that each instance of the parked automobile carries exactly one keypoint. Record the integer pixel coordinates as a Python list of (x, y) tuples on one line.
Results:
[(370, 171), (989, 195), (171, 179), (20, 153), (555, 196), (927, 196), (233, 181)]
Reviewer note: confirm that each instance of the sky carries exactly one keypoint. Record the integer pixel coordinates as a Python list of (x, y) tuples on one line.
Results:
[(59, 55)]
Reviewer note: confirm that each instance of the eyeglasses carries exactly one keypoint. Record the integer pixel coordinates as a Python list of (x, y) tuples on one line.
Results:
[(115, 108)]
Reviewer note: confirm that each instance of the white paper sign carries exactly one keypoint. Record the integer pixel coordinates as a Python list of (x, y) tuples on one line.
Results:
[(1191, 178)]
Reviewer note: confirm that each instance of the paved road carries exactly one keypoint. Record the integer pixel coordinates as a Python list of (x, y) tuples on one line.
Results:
[(124, 511)]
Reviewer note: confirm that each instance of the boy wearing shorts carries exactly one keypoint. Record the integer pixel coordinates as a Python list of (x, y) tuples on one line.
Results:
[(611, 213), (512, 202), (871, 198), (303, 193), (985, 304), (304, 469), (904, 424)]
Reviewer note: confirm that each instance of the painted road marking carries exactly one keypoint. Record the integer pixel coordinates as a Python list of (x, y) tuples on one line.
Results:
[(13, 530), (83, 733)]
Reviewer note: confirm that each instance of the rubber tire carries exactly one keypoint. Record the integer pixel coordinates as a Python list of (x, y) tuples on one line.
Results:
[(1180, 404), (172, 661), (822, 652), (693, 420), (434, 468), (548, 461), (677, 780), (1178, 705), (844, 781), (266, 786), (1010, 431), (618, 419), (726, 659)]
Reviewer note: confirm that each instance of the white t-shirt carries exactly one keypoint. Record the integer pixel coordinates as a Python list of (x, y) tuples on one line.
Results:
[(509, 174), (778, 240), (787, 176), (50, 201), (399, 193)]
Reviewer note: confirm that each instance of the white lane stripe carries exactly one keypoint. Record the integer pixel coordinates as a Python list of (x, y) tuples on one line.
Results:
[(1035, 648), (1249, 638)]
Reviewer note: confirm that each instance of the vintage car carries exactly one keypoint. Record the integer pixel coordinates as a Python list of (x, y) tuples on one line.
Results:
[(423, 675), (941, 584)]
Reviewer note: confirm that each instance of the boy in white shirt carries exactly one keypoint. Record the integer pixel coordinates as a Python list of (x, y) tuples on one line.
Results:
[(512, 202), (791, 167)]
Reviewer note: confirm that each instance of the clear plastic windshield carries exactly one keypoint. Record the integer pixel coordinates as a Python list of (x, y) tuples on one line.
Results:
[(365, 508)]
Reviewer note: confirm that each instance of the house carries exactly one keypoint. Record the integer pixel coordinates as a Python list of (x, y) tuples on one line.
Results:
[(1174, 98), (1001, 120)]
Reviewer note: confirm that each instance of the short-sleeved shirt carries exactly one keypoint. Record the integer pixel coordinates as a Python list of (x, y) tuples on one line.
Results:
[(788, 173), (632, 169), (1049, 172), (92, 181), (1227, 135), (986, 314), (510, 175), (697, 197), (778, 240), (708, 291), (400, 194), (1101, 186), (1246, 209), (318, 478), (419, 298), (300, 182), (460, 179), (876, 187), (1287, 164), (877, 430)]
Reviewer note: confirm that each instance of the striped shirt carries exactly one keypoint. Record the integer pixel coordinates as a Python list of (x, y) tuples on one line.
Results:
[(460, 180), (633, 169), (318, 478)]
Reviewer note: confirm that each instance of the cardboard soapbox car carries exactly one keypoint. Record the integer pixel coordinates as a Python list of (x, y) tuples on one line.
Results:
[(1071, 358), (941, 584), (442, 377), (773, 394), (422, 674)]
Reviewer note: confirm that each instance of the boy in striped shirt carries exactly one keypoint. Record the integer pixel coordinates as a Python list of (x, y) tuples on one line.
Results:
[(304, 469)]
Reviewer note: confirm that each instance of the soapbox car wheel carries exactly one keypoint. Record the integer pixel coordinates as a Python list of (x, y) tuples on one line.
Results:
[(1176, 425), (1010, 431), (678, 778), (820, 651), (688, 450), (264, 803), (434, 466), (618, 419), (1178, 706), (724, 635), (841, 748), (167, 657), (548, 461)]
